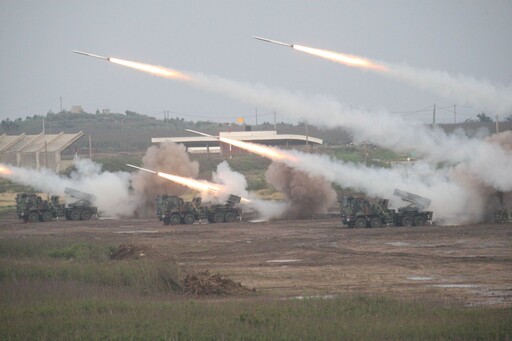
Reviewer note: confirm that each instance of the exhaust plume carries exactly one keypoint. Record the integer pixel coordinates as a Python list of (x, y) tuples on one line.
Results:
[(87, 177), (489, 163), (306, 194), (482, 95), (171, 157)]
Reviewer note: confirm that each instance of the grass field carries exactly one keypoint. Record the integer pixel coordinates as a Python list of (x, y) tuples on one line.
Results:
[(63, 289)]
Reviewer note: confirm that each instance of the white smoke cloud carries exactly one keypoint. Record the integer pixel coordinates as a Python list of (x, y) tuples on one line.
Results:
[(481, 95), (110, 189), (489, 162), (235, 183)]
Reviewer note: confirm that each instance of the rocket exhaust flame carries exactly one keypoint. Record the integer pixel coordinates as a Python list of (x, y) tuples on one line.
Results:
[(201, 186), (4, 170), (198, 185), (346, 59), (342, 58), (269, 152), (152, 69)]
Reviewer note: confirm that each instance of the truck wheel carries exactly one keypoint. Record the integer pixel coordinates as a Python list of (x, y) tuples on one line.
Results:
[(376, 223), (230, 217), (175, 219), (47, 216), (86, 215), (75, 215), (189, 219), (218, 217), (33, 217), (407, 221), (360, 223), (419, 220)]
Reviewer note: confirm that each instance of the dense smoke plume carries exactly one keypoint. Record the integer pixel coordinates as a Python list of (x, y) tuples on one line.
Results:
[(306, 194), (167, 157), (110, 188), (488, 162), (493, 199), (481, 95)]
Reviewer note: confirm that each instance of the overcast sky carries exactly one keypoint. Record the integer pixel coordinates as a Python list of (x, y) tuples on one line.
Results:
[(37, 67)]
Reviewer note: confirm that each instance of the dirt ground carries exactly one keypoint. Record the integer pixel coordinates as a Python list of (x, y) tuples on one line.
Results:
[(469, 265)]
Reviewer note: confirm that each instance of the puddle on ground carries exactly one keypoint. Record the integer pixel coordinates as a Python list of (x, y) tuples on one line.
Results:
[(419, 278), (136, 231), (284, 260), (455, 285)]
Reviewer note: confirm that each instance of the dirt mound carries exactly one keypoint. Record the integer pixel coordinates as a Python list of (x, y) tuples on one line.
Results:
[(128, 251), (204, 284)]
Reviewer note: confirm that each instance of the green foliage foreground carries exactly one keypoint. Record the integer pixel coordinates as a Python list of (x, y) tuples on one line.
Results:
[(53, 290)]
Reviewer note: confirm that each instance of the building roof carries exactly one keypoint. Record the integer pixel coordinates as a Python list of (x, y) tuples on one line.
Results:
[(36, 143), (262, 137)]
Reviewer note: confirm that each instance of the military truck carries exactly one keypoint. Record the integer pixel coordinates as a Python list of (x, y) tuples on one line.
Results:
[(82, 208), (32, 208), (174, 210), (364, 212), (503, 216)]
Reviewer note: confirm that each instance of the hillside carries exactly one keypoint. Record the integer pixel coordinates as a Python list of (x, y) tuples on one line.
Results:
[(133, 131)]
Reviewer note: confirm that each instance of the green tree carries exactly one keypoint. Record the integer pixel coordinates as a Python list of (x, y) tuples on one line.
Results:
[(484, 118)]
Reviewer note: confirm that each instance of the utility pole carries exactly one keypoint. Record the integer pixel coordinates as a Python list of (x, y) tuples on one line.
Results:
[(43, 125), (434, 116), (275, 122), (307, 134), (45, 155), (256, 112), (454, 113), (90, 148)]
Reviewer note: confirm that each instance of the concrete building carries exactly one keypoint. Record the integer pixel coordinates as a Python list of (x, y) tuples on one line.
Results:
[(205, 144), (36, 151)]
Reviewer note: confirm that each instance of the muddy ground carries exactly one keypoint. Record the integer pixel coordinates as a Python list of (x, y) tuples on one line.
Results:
[(468, 265)]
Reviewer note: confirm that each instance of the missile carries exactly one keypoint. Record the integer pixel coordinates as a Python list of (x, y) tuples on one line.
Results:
[(142, 169), (200, 133), (91, 55), (273, 41)]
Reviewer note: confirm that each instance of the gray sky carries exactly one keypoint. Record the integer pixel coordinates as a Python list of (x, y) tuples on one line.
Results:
[(37, 67)]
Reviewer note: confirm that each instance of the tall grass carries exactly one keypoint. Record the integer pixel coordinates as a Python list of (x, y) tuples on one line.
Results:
[(54, 289)]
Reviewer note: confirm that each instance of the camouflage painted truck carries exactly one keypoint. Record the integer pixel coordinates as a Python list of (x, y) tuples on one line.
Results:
[(174, 210), (503, 216), (32, 208), (364, 212)]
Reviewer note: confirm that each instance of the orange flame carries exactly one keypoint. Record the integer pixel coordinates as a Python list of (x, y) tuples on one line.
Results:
[(201, 186), (346, 59), (269, 152), (4, 170), (152, 69), (198, 185)]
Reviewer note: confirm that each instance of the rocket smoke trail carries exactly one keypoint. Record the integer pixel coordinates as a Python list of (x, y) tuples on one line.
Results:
[(87, 176), (481, 95), (486, 162), (489, 162)]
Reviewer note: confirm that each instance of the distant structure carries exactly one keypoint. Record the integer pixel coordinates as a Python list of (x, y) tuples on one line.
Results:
[(36, 151), (204, 144), (76, 109)]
